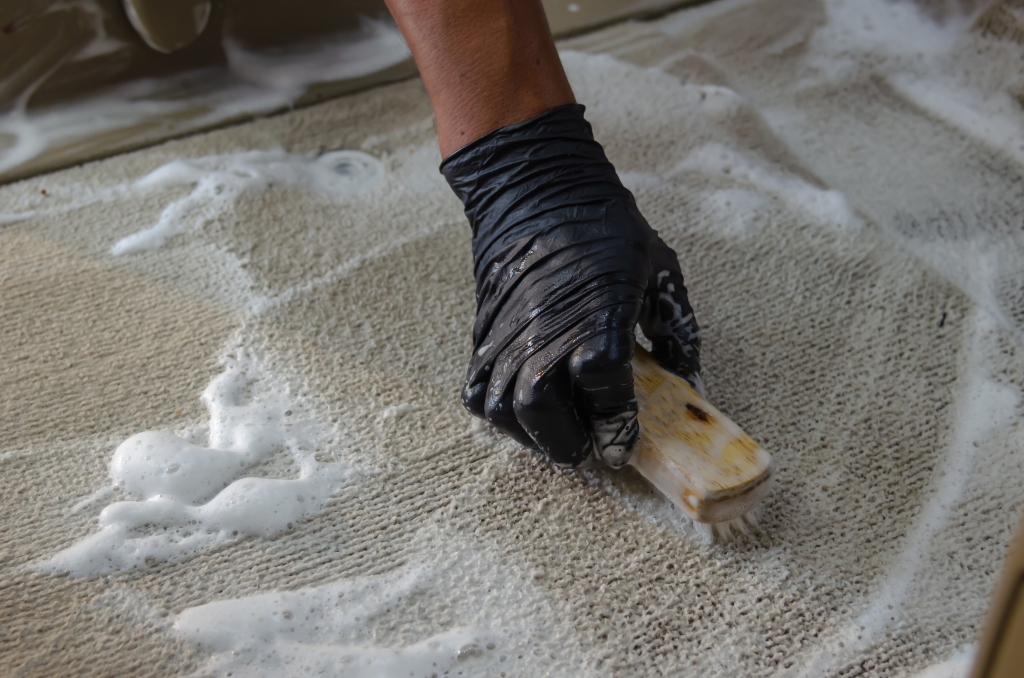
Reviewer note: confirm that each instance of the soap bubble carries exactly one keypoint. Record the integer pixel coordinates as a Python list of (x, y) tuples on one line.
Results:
[(469, 652)]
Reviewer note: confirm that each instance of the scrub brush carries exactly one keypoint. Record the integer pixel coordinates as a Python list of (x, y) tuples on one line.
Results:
[(695, 455)]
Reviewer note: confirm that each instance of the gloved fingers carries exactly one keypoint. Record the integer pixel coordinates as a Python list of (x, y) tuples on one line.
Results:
[(565, 266), (602, 374), (668, 320), (497, 410), (474, 395), (544, 407)]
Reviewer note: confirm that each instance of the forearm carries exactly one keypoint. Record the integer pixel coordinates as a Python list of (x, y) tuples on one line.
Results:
[(485, 63)]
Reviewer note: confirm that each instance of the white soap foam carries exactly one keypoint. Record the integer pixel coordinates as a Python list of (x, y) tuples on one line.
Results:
[(460, 609), (31, 133), (733, 211), (187, 497), (825, 207), (916, 55), (886, 34), (218, 181), (322, 631), (101, 43), (6, 219), (996, 119), (377, 45), (957, 666), (260, 82), (640, 182)]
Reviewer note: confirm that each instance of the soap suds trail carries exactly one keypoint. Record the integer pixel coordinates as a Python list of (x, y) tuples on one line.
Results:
[(892, 36), (823, 206), (376, 46), (101, 43), (188, 497), (6, 219), (985, 407), (27, 136), (189, 493), (416, 173), (996, 119), (100, 495), (219, 180), (957, 666), (258, 83), (460, 608), (913, 54), (618, 92), (916, 55), (322, 631), (940, 68)]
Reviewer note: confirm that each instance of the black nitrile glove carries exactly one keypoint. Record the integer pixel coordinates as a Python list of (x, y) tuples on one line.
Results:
[(565, 268)]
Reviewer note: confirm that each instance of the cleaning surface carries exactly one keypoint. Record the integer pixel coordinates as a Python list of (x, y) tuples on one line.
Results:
[(841, 183)]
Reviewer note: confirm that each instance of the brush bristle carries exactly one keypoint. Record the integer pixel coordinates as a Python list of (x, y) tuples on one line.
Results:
[(744, 525)]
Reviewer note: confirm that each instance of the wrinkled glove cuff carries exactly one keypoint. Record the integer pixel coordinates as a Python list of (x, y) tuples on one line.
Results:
[(513, 176)]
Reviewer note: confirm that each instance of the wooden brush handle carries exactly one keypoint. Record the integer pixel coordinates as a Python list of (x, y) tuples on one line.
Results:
[(694, 454)]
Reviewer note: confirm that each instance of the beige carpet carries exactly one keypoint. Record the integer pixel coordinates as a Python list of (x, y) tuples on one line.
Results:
[(845, 194)]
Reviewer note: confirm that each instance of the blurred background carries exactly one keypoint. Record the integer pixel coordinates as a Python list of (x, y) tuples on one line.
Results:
[(142, 71)]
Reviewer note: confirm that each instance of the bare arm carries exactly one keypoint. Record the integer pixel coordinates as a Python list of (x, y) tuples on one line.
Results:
[(486, 63)]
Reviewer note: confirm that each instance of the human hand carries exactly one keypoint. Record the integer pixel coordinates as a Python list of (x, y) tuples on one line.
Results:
[(566, 266)]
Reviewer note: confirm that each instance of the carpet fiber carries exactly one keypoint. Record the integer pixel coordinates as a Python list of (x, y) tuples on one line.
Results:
[(843, 183)]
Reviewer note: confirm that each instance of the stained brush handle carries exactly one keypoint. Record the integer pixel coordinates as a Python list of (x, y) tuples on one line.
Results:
[(699, 458)]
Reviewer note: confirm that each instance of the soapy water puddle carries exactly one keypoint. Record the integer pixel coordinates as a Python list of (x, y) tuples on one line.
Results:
[(184, 494)]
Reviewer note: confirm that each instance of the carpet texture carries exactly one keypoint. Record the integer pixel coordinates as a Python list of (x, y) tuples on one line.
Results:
[(845, 195)]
